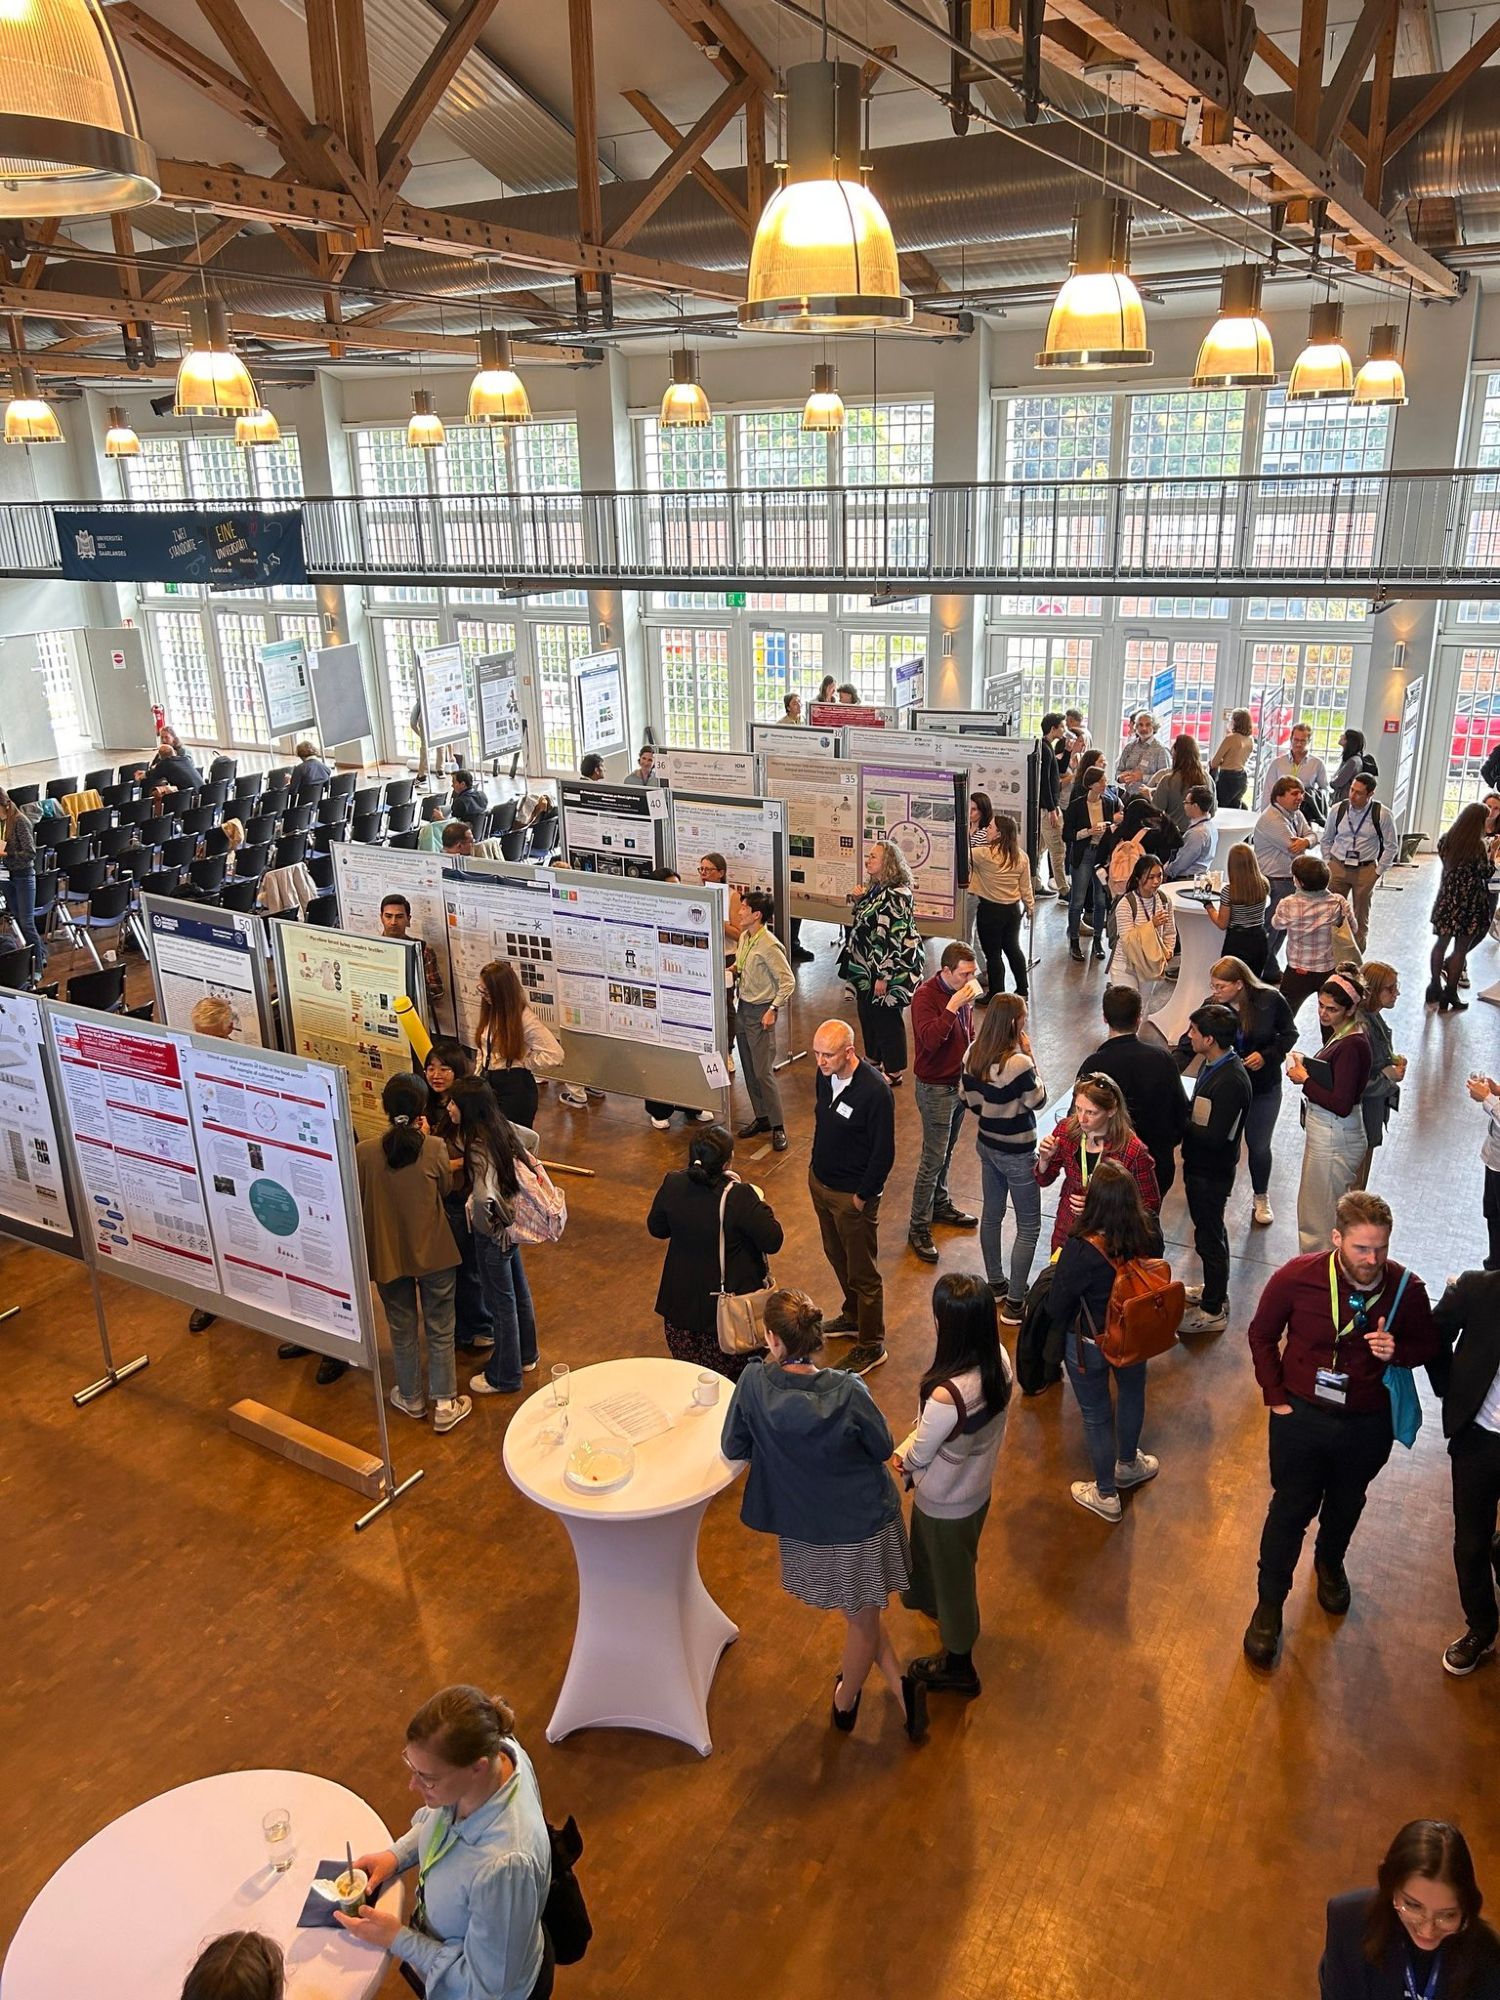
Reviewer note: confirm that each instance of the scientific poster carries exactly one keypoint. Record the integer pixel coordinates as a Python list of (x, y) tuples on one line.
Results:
[(198, 952), (908, 680), (745, 834), (997, 763), (709, 770), (612, 829), (443, 691), (847, 715), (916, 811), (338, 1005), (276, 1201), (33, 1194), (633, 965), (599, 691), (364, 876), (126, 1095), (287, 686), (500, 729), (789, 739), (822, 805), (490, 917)]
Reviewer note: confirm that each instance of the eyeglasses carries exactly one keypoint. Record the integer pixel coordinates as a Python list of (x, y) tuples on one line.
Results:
[(1438, 1920), (427, 1784)]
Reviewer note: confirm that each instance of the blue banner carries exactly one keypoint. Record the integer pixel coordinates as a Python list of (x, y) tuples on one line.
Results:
[(226, 548)]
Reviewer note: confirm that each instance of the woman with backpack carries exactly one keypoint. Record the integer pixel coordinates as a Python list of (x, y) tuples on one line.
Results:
[(1112, 1230), (485, 1174), (1333, 1124), (513, 1043), (482, 1853), (1354, 762), (719, 1232), (1001, 1087), (948, 1461), (1382, 1093), (1096, 1130), (1145, 932), (882, 956), (1000, 882), (403, 1177)]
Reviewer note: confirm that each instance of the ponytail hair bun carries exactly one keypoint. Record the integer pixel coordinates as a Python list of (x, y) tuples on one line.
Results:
[(797, 1322), (709, 1154), (462, 1725)]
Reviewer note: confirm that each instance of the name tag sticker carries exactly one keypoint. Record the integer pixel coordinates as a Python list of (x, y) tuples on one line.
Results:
[(844, 1110), (1203, 1110)]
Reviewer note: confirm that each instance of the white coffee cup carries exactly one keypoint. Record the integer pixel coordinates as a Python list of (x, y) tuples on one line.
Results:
[(706, 1388)]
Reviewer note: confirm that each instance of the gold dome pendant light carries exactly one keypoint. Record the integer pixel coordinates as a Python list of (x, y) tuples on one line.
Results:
[(424, 427), (1323, 372), (1382, 379), (824, 259), (685, 404), (29, 417), (497, 395), (1097, 319), (212, 381), (824, 408), (1237, 351), (120, 440), (70, 139), (260, 427)]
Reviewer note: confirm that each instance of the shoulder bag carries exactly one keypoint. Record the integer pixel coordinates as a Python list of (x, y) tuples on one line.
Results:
[(740, 1317), (1401, 1386)]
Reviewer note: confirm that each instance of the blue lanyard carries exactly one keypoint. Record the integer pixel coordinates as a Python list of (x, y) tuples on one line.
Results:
[(1432, 1979), (1352, 831)]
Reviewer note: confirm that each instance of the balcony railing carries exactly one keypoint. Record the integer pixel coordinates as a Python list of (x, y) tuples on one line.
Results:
[(1404, 534)]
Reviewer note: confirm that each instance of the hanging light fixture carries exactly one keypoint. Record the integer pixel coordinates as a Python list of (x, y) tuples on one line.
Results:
[(824, 408), (120, 440), (685, 405), (1097, 320), (497, 395), (212, 381), (259, 427), (1237, 351), (29, 417), (1382, 379), (70, 140), (424, 427), (824, 259), (1322, 372)]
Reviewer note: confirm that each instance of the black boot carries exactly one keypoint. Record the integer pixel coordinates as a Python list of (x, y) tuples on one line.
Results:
[(1333, 1586), (946, 1673), (1263, 1635), (914, 1700), (1451, 1002), (919, 1239), (1434, 994)]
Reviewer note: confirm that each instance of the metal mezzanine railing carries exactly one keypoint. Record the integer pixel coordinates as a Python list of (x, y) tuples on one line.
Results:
[(1407, 533)]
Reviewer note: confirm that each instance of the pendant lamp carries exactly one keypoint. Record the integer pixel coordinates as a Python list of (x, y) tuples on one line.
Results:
[(29, 417), (685, 404), (824, 408), (1323, 372), (70, 140), (1098, 320), (1237, 351), (1382, 379), (824, 259), (424, 427), (120, 440), (212, 381), (260, 427), (497, 395)]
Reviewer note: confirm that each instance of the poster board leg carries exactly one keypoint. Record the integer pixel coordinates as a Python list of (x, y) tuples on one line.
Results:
[(395, 1494), (796, 1055), (9, 1313), (111, 1375), (393, 1490)]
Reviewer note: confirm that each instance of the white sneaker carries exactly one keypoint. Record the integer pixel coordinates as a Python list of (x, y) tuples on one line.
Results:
[(705, 1117), (1261, 1212), (530, 1367), (1192, 1293), (657, 1124), (1196, 1320), (399, 1402), (450, 1410), (1087, 1494), (481, 1386), (573, 1095), (1141, 1468)]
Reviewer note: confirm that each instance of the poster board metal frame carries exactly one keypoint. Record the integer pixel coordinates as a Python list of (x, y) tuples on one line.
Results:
[(285, 936), (454, 733), (736, 802), (609, 659), (579, 796), (306, 716), (400, 865), (247, 923), (932, 926), (492, 671), (32, 1007)]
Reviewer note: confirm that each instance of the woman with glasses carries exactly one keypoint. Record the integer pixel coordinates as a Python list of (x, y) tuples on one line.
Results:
[(882, 956), (1418, 1935), (482, 1856), (1333, 1085)]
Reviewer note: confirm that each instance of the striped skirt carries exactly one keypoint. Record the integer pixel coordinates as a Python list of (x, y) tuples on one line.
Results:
[(848, 1576)]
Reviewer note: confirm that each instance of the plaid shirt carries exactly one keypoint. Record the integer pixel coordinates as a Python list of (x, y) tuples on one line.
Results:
[(1310, 922)]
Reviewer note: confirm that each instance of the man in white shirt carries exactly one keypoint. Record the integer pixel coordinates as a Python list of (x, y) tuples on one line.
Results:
[(1360, 842), (1195, 856), (1298, 763), (1143, 758)]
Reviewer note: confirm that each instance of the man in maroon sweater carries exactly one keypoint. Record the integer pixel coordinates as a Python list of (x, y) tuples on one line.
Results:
[(1323, 1334), (942, 1027)]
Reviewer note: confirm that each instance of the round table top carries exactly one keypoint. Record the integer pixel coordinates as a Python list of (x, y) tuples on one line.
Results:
[(680, 1468), (1235, 822), (127, 1914)]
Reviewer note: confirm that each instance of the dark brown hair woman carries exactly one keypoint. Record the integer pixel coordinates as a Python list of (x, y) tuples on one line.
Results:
[(1419, 1931), (240, 1965)]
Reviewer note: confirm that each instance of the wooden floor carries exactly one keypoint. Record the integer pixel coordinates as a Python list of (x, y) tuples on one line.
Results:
[(1127, 1811)]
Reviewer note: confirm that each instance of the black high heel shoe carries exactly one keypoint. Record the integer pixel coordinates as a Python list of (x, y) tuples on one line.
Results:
[(1433, 997), (1451, 1002), (845, 1718)]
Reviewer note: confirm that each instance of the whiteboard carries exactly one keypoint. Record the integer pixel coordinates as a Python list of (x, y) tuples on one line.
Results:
[(599, 698), (287, 687), (338, 689)]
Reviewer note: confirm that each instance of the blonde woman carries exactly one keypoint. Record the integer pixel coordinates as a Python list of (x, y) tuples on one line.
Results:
[(1230, 764), (1000, 880), (1334, 1127), (1000, 1085), (882, 956), (1097, 1128), (512, 1042), (1241, 909)]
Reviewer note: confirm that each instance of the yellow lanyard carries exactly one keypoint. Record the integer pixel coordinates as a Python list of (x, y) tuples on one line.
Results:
[(1333, 1306)]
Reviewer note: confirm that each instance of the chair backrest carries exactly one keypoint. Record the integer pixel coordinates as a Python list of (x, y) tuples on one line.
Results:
[(46, 891), (104, 989), (25, 795), (335, 811), (180, 801), (179, 850), (275, 799), (223, 770), (322, 910), (96, 781), (133, 863), (215, 840), (109, 902), (435, 806), (119, 795), (366, 826), (84, 877), (326, 835), (113, 840), (543, 834), (15, 967), (52, 832), (408, 837), (262, 826), (216, 794), (399, 818), (161, 882), (248, 787), (208, 874), (95, 820), (368, 799), (320, 867), (132, 774), (290, 849), (59, 788), (398, 791), (200, 819), (135, 812), (240, 894), (342, 784), (278, 780), (253, 858), (513, 844), (297, 819), (71, 852), (503, 818)]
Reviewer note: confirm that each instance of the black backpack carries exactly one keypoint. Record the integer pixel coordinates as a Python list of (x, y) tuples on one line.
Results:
[(566, 1916), (1034, 1373)]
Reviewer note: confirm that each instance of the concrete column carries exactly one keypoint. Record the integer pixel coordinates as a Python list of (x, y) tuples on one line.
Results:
[(606, 461), (961, 418)]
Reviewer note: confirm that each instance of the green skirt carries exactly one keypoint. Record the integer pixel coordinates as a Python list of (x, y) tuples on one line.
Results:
[(944, 1558)]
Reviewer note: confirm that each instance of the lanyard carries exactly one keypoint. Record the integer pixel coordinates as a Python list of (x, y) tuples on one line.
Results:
[(444, 1837), (1354, 830), (1333, 1306), (1209, 1068), (1432, 1979), (1083, 1159)]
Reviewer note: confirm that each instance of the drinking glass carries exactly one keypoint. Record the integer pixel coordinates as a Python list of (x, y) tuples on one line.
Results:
[(281, 1849), (561, 1385)]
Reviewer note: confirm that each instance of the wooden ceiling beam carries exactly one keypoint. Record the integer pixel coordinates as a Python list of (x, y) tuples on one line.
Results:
[(1276, 60), (1380, 108), (59, 359), (203, 252), (712, 26), (1417, 39), (1422, 113), (231, 93), (1311, 48), (585, 125), (359, 137), (1359, 53), (702, 172), (756, 167), (36, 263), (426, 92), (679, 162), (323, 62), (249, 56)]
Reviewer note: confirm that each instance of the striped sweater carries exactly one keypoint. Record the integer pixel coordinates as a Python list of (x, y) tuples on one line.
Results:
[(1006, 1103)]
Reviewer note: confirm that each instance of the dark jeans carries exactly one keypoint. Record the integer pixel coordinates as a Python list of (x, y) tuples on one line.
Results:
[(1322, 1462), (1229, 787), (1085, 896), (999, 928), (1207, 1192), (471, 1312), (510, 1303), (884, 1030), (1249, 947), (20, 900), (1475, 1455), (1492, 1217), (1281, 886), (1111, 1427)]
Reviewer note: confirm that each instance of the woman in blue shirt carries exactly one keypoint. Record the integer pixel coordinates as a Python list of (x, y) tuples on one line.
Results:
[(818, 1451), (482, 1854)]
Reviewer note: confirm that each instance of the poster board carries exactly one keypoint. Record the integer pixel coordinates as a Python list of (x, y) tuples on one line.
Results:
[(223, 1177), (338, 996), (599, 701), (339, 696), (197, 951), (908, 684), (443, 693), (35, 1204), (286, 683), (791, 739), (1000, 764), (629, 975), (364, 876), (613, 829), (848, 715), (749, 833), (824, 861), (717, 771), (924, 812), (498, 694), (1406, 756)]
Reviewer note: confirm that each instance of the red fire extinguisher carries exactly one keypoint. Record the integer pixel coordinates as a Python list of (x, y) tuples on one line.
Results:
[(160, 715)]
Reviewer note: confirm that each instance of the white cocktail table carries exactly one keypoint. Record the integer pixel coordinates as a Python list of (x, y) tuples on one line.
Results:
[(1230, 824), (1201, 942), (649, 1635), (128, 1913)]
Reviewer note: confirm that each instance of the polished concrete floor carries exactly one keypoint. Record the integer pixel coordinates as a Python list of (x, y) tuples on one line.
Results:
[(1128, 1810)]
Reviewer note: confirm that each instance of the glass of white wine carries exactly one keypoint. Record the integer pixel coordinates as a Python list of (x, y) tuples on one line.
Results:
[(281, 1849), (562, 1385)]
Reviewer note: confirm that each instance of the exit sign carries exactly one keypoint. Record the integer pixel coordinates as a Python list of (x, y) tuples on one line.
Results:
[(734, 600)]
